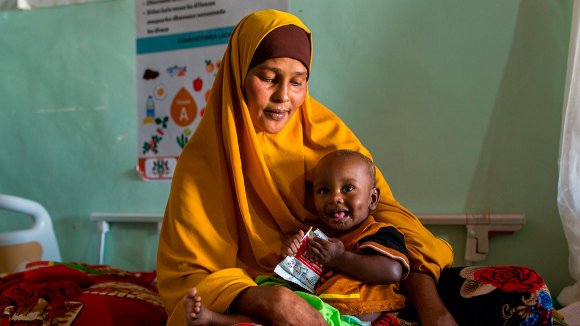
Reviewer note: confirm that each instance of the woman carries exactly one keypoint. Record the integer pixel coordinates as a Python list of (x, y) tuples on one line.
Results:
[(243, 183)]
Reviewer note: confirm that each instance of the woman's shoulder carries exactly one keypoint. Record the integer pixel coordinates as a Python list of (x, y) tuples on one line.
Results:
[(320, 113)]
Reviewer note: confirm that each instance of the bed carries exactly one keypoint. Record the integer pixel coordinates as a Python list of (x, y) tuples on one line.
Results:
[(37, 288)]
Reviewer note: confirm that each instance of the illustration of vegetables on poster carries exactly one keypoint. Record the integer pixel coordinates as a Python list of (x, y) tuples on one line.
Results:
[(180, 44)]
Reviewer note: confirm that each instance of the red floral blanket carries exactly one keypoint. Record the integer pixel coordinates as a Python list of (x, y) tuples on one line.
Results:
[(52, 293)]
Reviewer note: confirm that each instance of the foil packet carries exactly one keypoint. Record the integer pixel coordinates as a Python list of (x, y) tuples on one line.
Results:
[(299, 269)]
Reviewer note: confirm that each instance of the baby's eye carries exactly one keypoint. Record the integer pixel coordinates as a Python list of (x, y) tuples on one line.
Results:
[(347, 188), (322, 191)]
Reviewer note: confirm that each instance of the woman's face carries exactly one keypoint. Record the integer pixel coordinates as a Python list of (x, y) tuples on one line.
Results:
[(273, 90)]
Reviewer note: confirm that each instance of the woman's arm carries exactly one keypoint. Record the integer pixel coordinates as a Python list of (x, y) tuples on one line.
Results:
[(421, 289), (277, 304)]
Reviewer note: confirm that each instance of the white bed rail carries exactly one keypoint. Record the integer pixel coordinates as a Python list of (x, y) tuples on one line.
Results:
[(41, 230), (104, 219)]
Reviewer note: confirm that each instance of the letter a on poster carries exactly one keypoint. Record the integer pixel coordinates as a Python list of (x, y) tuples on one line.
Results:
[(180, 45)]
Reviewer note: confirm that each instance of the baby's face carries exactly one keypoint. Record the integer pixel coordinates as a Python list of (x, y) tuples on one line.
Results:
[(343, 192)]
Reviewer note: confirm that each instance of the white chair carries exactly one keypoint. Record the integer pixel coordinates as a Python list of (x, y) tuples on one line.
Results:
[(21, 246)]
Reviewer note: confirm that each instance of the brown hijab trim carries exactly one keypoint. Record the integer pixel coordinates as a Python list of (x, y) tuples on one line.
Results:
[(289, 41)]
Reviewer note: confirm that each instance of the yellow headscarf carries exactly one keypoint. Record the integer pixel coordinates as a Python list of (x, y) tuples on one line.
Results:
[(236, 193)]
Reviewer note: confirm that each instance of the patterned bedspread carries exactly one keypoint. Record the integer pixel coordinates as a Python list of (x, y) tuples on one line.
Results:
[(53, 293)]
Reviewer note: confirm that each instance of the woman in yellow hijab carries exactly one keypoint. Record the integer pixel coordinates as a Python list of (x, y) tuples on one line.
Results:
[(243, 183)]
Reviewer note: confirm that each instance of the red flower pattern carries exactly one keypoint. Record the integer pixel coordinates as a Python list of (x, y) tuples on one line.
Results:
[(510, 278), (386, 319)]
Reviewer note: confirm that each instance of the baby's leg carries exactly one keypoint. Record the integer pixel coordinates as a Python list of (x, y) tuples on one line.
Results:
[(196, 314)]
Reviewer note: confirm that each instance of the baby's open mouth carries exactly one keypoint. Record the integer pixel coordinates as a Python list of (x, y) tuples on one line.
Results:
[(338, 214)]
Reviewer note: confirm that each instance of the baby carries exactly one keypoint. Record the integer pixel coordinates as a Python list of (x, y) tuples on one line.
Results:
[(362, 257)]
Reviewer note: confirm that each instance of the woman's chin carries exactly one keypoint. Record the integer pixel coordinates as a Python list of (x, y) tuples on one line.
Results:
[(274, 127)]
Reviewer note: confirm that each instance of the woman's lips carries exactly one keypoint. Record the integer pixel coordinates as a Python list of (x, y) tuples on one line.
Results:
[(276, 114)]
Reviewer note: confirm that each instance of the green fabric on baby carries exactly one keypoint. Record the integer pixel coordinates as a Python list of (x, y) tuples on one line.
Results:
[(266, 280), (330, 314)]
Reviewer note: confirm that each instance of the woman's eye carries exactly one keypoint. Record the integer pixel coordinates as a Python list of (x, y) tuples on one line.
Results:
[(296, 83), (267, 80)]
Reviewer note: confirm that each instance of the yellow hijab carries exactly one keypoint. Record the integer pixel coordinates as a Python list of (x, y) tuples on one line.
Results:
[(236, 193)]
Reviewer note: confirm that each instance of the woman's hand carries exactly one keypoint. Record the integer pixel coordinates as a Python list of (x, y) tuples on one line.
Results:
[(278, 305), (421, 289)]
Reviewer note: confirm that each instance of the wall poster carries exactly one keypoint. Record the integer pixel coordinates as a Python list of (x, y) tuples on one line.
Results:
[(180, 44)]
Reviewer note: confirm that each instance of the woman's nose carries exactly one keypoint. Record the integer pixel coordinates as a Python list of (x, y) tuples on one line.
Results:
[(281, 94)]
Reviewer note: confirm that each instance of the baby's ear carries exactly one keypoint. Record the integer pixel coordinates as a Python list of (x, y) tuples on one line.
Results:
[(375, 195)]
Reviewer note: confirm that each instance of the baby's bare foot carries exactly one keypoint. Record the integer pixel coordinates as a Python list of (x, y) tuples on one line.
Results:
[(195, 312)]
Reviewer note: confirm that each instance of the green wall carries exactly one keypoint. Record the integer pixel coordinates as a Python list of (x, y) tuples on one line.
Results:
[(459, 101)]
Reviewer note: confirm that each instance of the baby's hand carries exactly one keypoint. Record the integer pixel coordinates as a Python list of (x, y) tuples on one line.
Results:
[(291, 245), (325, 252)]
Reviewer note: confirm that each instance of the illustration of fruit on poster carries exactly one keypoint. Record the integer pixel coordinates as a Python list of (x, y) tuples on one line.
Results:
[(180, 45)]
